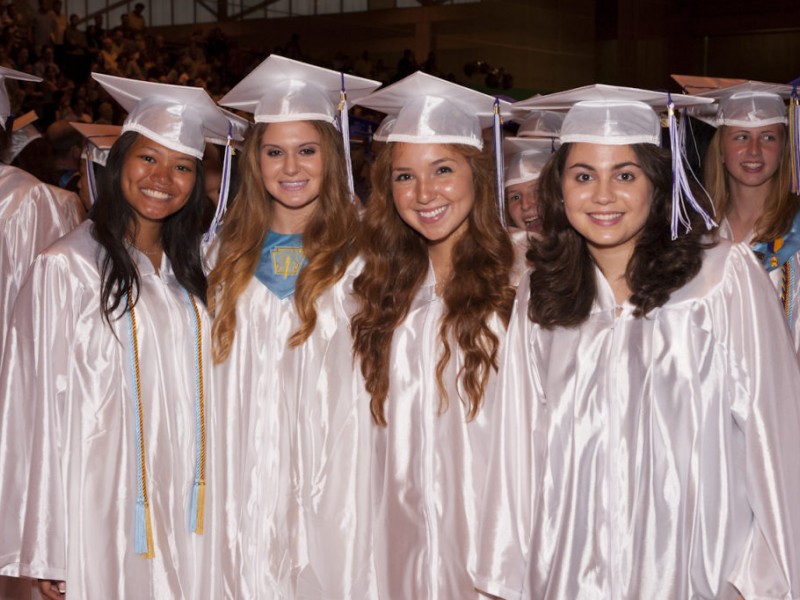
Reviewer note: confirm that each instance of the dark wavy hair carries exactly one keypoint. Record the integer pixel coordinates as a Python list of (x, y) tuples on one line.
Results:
[(396, 262), (563, 280), (113, 219)]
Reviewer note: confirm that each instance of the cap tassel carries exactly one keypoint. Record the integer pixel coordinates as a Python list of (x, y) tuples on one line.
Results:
[(794, 139), (224, 188), (92, 182), (498, 161), (344, 122), (681, 190)]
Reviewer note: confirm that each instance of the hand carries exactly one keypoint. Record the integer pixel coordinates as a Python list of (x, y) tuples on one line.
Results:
[(53, 590)]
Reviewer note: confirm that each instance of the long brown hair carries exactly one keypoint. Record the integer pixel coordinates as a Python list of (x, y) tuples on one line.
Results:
[(396, 262), (781, 206), (563, 284), (327, 239)]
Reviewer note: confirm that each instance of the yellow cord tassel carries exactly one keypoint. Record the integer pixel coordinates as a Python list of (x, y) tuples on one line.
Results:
[(201, 507)]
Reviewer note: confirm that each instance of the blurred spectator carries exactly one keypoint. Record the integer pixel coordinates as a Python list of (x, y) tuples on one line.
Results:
[(76, 52), (135, 19), (45, 24), (46, 60)]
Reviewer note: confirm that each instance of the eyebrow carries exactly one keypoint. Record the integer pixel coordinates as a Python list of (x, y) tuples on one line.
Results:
[(269, 145), (615, 167), (437, 162), (190, 159)]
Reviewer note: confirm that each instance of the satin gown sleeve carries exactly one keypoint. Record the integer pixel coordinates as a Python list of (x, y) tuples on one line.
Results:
[(33, 215), (649, 458)]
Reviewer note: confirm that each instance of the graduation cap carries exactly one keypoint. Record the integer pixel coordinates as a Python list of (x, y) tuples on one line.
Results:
[(538, 123), (282, 89), (23, 133), (98, 140), (525, 159), (175, 116), (5, 104), (432, 110)]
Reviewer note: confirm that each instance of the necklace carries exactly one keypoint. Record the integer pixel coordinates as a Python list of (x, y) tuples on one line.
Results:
[(146, 253)]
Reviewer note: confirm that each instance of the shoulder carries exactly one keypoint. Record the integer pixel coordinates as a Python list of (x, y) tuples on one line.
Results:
[(724, 264)]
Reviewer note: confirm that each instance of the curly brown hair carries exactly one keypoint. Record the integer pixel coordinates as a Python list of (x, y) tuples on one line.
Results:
[(396, 263), (327, 239), (562, 282), (781, 206)]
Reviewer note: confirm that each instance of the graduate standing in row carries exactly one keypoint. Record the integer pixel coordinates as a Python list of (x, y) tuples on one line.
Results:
[(286, 239), (645, 424), (433, 302), (748, 174), (107, 484)]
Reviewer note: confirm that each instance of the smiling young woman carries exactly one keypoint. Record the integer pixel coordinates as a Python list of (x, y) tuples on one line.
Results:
[(104, 427), (284, 250), (641, 411), (748, 176), (433, 300)]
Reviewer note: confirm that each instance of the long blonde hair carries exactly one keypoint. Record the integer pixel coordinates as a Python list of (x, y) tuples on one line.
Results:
[(328, 239), (781, 205)]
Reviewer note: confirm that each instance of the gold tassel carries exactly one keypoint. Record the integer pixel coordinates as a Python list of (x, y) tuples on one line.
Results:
[(151, 552), (201, 507)]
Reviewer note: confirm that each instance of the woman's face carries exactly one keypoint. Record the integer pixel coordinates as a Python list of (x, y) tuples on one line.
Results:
[(607, 196), (523, 206), (156, 181), (292, 169), (433, 190), (752, 156)]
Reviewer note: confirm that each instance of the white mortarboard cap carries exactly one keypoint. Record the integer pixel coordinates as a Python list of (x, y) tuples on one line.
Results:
[(432, 110), (99, 139), (5, 105), (540, 123), (751, 104), (606, 114), (525, 159), (384, 129), (282, 89), (178, 117), (23, 133)]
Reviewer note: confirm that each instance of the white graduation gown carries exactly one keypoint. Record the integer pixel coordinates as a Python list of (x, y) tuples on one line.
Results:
[(649, 458), (334, 428), (258, 426), (776, 276), (33, 215), (67, 443), (428, 468)]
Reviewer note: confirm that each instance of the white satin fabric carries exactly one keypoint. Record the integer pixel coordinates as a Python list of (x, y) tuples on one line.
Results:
[(259, 417), (428, 468), (334, 428), (67, 444), (33, 215), (776, 276), (648, 458)]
